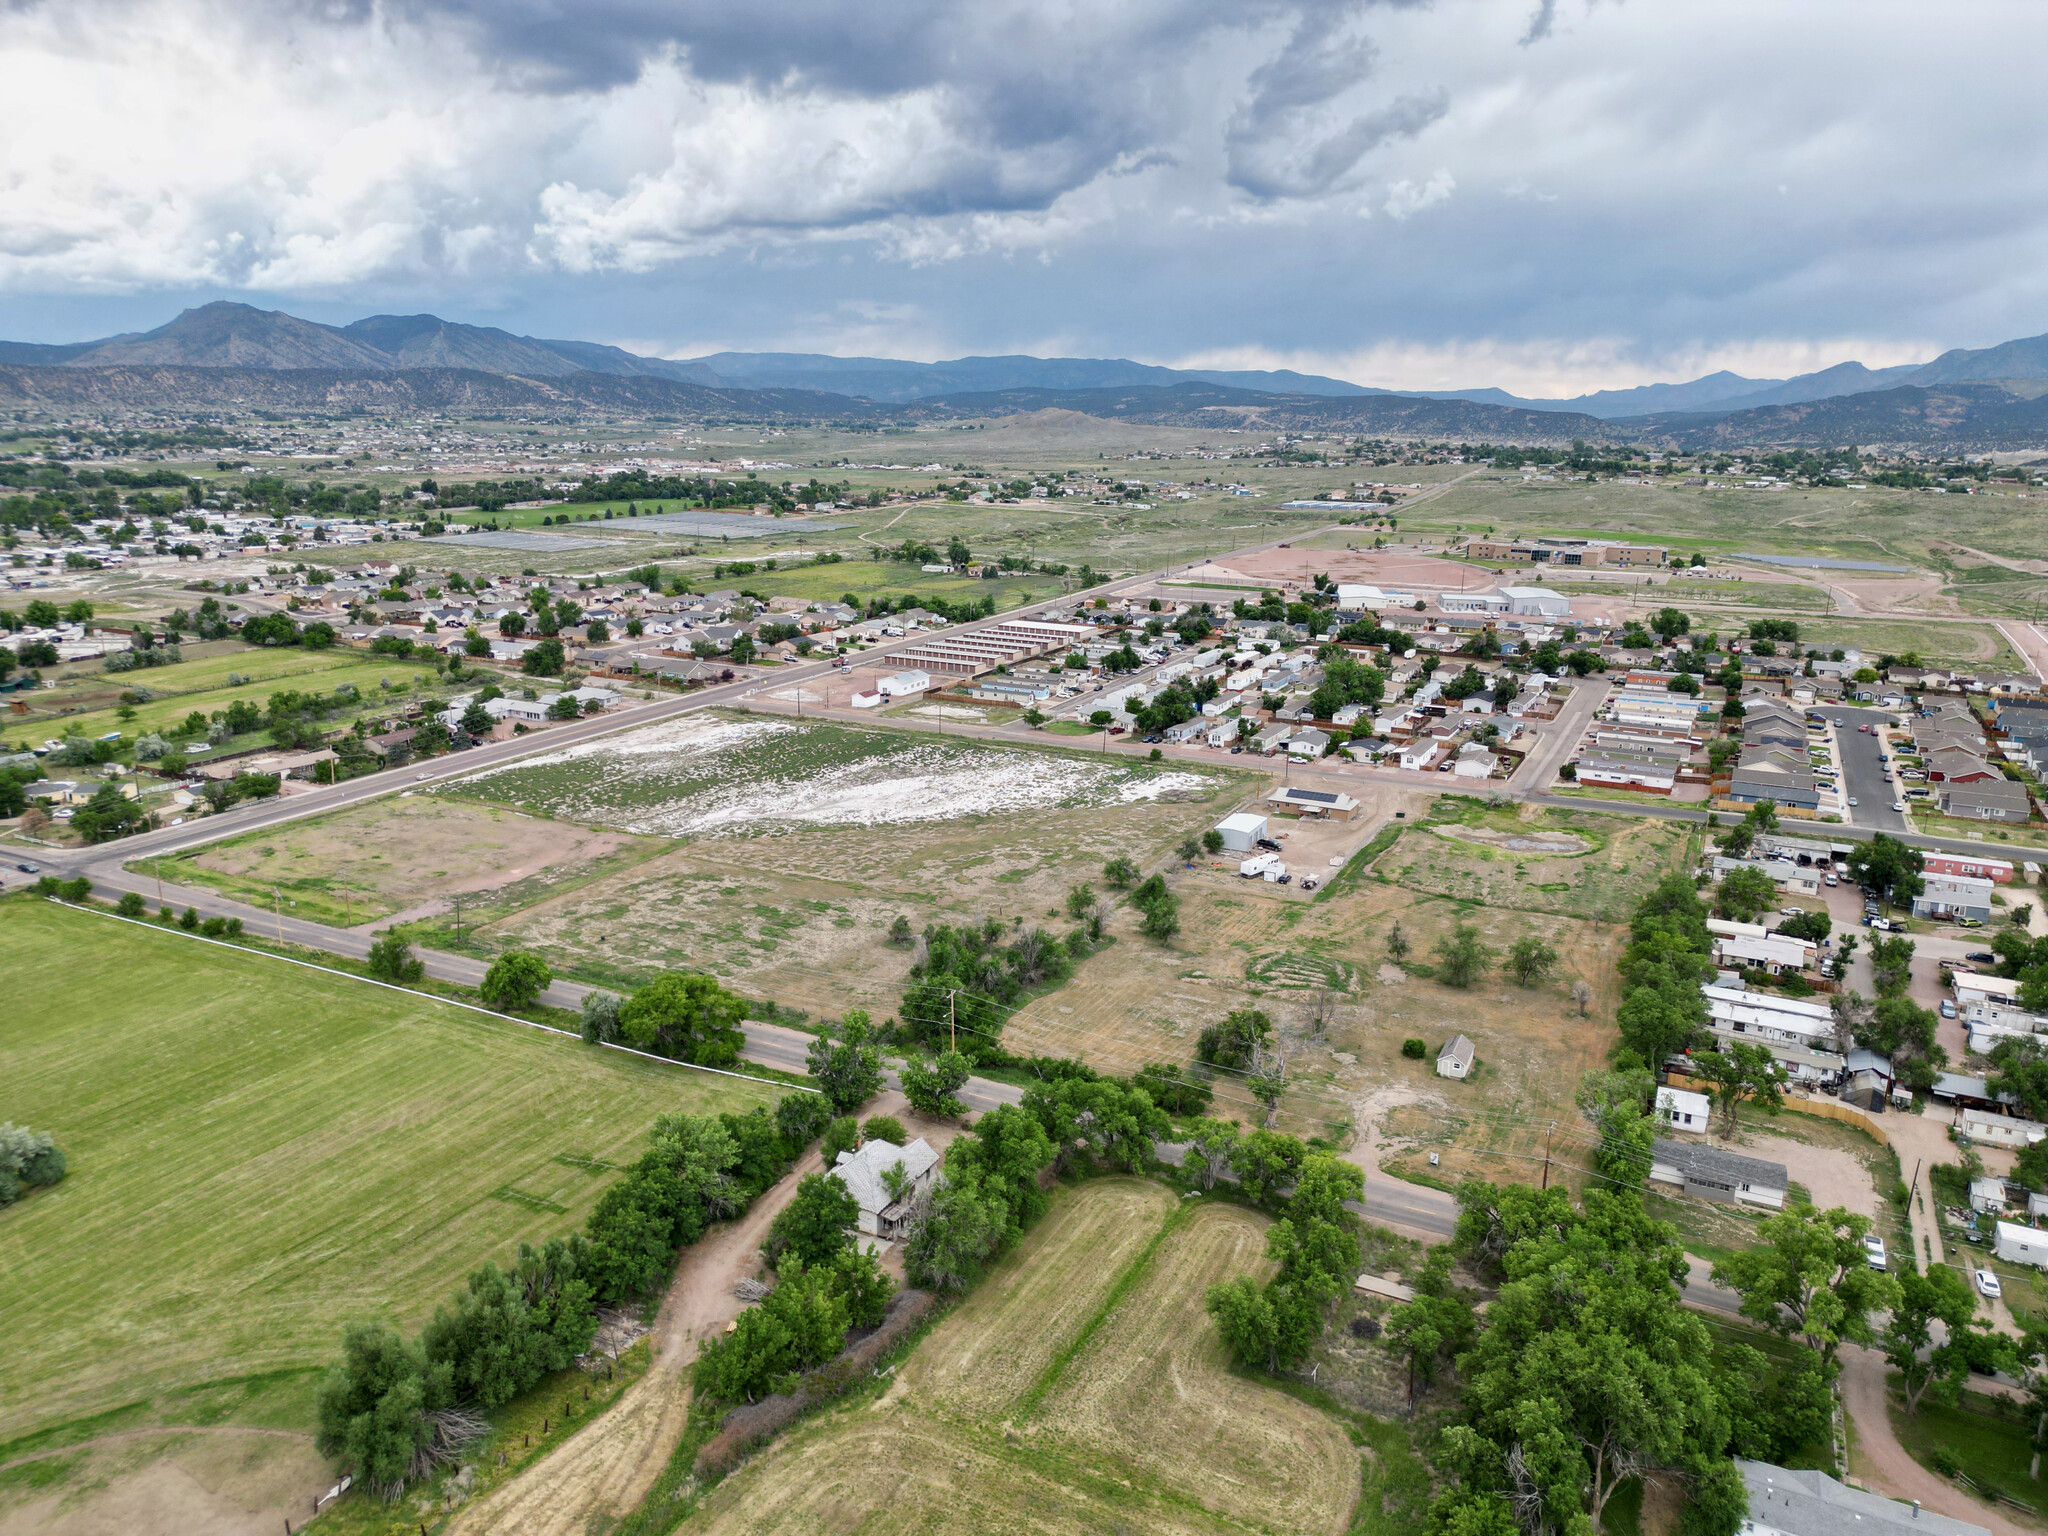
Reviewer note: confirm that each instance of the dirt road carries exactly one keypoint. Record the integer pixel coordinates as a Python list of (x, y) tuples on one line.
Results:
[(1879, 1461), (606, 1467)]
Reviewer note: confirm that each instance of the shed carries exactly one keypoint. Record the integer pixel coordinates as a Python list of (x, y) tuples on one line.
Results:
[(1684, 1110), (1987, 1194), (1241, 832), (2022, 1245), (1456, 1058)]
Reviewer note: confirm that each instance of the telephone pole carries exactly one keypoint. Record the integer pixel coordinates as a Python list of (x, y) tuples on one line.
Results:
[(953, 1025), (1546, 1153), (277, 912)]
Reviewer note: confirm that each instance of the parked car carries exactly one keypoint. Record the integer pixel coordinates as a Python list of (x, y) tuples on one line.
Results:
[(1982, 957), (1898, 805), (1987, 1282), (1948, 1009), (29, 869), (1268, 844), (1873, 1250), (1832, 880), (1852, 800)]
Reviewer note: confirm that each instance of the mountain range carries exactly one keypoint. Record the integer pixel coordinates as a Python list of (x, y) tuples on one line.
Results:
[(229, 356)]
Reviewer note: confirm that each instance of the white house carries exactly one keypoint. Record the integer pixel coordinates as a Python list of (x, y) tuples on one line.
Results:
[(1684, 1110), (1456, 1058), (2022, 1245), (900, 685), (867, 699), (1954, 896), (865, 1173), (1998, 1130), (1773, 952)]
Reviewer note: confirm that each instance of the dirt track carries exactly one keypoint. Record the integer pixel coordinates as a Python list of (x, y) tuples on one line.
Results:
[(1879, 1461)]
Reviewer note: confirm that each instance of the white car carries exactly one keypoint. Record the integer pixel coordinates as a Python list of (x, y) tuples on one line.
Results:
[(1791, 912), (1852, 800), (1898, 805), (1873, 1250), (1987, 1282)]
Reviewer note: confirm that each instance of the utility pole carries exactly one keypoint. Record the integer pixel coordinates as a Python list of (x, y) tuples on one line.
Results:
[(158, 865), (953, 1022), (1546, 1153), (277, 911)]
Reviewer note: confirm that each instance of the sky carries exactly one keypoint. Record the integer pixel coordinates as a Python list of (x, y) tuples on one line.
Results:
[(1549, 196)]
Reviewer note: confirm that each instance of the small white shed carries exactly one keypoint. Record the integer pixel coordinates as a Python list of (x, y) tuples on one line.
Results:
[(1456, 1058), (2022, 1245), (1987, 1194), (1684, 1110), (1241, 833)]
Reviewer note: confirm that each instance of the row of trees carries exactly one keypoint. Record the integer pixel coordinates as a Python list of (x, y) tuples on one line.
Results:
[(395, 1408)]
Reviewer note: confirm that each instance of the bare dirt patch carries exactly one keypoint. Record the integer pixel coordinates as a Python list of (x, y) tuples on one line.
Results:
[(1554, 843), (238, 1482)]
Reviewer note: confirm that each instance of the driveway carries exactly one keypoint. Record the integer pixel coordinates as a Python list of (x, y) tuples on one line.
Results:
[(1877, 1459)]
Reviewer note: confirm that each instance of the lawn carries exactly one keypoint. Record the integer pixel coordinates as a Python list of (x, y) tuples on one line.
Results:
[(1986, 1435), (1082, 1382), (260, 1153)]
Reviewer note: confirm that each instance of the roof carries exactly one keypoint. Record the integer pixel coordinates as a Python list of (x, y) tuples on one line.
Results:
[(1727, 1166), (1243, 821), (1814, 1504), (1683, 1099), (861, 1169), (1457, 1046)]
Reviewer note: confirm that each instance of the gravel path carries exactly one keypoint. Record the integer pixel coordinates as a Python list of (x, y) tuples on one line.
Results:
[(1879, 1461)]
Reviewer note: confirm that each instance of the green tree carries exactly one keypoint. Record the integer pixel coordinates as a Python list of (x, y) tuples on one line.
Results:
[(1744, 895), (1231, 1044), (1742, 1071), (818, 1222), (952, 1232), (545, 659), (934, 1089), (1891, 964), (1810, 1278), (476, 720), (848, 1070), (687, 1015), (392, 959), (373, 1406), (1120, 873), (600, 1026), (1617, 1103), (1886, 865), (1926, 1368), (514, 980), (1212, 841), (1462, 957), (1531, 961), (1080, 901), (1435, 1327)]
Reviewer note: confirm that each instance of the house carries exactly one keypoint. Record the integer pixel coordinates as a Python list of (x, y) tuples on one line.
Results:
[(1713, 1174), (1775, 953), (1456, 1058), (1987, 1195), (1241, 832), (1997, 871), (1474, 761), (1986, 800), (2022, 1245), (866, 1172), (1774, 774), (1998, 1130), (1654, 771), (1684, 1110), (901, 685), (1308, 742), (1783, 1503), (1321, 804), (1956, 765), (1954, 896)]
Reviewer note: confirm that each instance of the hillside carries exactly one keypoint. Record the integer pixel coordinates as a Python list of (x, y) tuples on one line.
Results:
[(1963, 416)]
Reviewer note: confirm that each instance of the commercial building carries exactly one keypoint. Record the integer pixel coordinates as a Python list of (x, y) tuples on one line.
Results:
[(1585, 554), (1537, 602), (974, 652)]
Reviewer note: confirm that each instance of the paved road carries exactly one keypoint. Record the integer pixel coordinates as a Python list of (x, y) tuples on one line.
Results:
[(1863, 773)]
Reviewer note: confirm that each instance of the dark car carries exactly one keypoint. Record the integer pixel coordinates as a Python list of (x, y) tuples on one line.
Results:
[(1981, 957), (29, 869), (1269, 844)]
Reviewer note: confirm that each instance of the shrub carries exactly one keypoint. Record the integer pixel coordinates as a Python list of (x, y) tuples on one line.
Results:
[(601, 1018), (391, 959), (885, 1128), (74, 890), (1946, 1461), (130, 904), (1414, 1050), (28, 1160), (839, 1137)]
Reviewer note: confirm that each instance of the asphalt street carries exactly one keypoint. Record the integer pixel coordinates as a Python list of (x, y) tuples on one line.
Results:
[(1863, 772)]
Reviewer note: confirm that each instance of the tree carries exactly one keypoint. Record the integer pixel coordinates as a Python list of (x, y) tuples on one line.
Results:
[(1582, 996), (1212, 842), (514, 980), (1397, 942), (1231, 1044), (28, 1160), (1810, 1278), (1436, 1326), (848, 1071), (1530, 960), (1617, 1103), (392, 959), (934, 1090), (1245, 1321), (1461, 957), (1940, 1295), (476, 720), (1080, 901), (600, 1026), (687, 1015), (1811, 926), (1744, 895), (1742, 1071), (818, 1222), (2022, 1072), (899, 932), (951, 1233), (545, 659), (1886, 865), (1120, 873), (373, 1407), (1190, 849), (1891, 965)]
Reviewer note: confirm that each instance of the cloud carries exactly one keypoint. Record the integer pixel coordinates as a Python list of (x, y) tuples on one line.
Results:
[(1540, 23), (1405, 198)]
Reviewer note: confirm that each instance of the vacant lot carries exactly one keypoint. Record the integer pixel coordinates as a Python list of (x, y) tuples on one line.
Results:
[(1327, 974), (407, 855), (260, 1153), (1142, 1429)]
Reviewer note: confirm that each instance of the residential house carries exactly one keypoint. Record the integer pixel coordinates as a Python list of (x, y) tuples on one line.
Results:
[(1998, 799), (867, 1172), (1774, 774), (1956, 765), (1321, 804), (1804, 1503), (1654, 771), (1952, 896), (2022, 1245), (1684, 1110), (1713, 1174), (1980, 1125)]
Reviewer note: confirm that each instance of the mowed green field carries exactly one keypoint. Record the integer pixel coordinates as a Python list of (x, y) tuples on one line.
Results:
[(260, 1153)]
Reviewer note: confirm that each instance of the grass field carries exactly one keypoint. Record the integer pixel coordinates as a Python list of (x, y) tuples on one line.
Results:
[(88, 699), (1081, 1383), (260, 1153)]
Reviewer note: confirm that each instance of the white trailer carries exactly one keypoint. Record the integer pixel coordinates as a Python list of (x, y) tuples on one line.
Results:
[(2022, 1245), (1275, 872), (1253, 867)]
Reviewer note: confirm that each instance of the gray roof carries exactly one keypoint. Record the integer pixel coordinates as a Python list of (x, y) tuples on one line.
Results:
[(1728, 1166), (861, 1170), (1457, 1047), (1814, 1504)]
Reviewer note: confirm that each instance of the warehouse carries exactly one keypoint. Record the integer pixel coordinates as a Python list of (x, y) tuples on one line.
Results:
[(1241, 832)]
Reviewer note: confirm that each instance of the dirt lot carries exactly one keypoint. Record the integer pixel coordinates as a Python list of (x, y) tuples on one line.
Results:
[(406, 854), (234, 1481), (1143, 1430), (1246, 943)]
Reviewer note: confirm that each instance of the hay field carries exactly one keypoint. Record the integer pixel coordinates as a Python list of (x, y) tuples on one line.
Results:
[(1143, 1428), (260, 1153)]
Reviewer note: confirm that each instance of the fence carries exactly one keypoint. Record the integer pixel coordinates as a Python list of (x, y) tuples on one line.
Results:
[(1831, 1109)]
